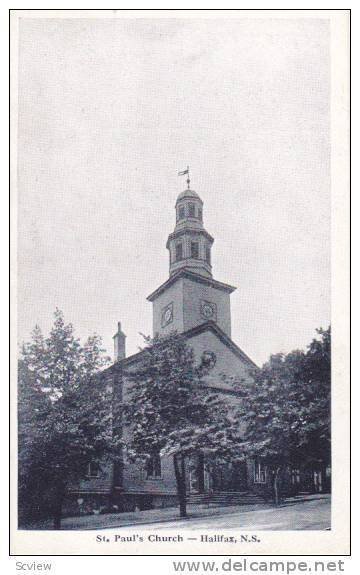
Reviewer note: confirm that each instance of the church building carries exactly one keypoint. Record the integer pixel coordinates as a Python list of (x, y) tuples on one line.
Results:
[(195, 304)]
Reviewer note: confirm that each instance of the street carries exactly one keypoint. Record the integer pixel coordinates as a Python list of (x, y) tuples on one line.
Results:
[(297, 513), (311, 513)]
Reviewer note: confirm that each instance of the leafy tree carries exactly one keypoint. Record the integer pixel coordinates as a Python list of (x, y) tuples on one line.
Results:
[(171, 410), (286, 409), (64, 417)]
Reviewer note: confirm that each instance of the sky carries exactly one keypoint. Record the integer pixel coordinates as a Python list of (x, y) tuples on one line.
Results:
[(111, 109)]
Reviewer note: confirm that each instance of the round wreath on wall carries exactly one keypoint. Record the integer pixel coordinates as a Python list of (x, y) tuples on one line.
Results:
[(208, 359)]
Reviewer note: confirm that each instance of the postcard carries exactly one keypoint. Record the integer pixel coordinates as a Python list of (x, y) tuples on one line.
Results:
[(180, 325)]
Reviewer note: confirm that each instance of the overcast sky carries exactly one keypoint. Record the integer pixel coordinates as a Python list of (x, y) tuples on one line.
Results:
[(109, 112)]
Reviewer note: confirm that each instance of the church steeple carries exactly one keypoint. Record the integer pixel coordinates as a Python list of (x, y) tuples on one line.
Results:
[(190, 297), (190, 244)]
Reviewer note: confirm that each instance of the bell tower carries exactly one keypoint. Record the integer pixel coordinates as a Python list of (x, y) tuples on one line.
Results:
[(190, 297), (190, 244)]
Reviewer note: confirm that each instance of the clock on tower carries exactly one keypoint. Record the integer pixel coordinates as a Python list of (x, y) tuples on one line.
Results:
[(208, 310)]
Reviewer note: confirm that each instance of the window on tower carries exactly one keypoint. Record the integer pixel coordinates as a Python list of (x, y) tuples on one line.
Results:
[(191, 210), (181, 213), (179, 252), (200, 214), (207, 255), (195, 250)]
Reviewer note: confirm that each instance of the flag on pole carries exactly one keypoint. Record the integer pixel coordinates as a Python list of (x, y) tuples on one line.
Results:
[(184, 172)]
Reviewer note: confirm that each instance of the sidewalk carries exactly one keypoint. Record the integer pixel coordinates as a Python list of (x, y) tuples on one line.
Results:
[(170, 514)]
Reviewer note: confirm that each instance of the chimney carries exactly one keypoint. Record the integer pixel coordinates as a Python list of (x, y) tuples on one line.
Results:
[(119, 344)]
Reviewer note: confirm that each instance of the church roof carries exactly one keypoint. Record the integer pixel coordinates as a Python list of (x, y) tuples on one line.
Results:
[(206, 326), (188, 194)]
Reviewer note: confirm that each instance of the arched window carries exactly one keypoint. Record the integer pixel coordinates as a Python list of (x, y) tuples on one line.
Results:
[(181, 212), (178, 252), (195, 250), (191, 210), (208, 255)]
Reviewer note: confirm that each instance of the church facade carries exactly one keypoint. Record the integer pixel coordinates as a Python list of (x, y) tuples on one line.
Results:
[(195, 304)]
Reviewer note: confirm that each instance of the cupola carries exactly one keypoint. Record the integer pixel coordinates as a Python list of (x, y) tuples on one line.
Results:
[(190, 244)]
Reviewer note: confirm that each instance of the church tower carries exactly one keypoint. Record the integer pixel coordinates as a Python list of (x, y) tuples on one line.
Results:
[(190, 297)]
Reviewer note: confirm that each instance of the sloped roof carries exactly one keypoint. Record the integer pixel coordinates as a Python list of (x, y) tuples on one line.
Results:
[(193, 276), (206, 326)]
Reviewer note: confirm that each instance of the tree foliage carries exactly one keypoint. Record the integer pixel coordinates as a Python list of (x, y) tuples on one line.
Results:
[(286, 407), (171, 410), (64, 416)]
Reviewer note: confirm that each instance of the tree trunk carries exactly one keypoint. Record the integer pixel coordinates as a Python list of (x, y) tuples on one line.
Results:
[(58, 507), (201, 472), (179, 467), (276, 486)]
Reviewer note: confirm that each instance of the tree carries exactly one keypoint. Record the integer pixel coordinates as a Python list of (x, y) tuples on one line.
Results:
[(286, 409), (64, 417), (170, 410)]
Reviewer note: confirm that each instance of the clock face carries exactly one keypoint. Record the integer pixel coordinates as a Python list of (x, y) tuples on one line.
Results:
[(208, 310), (167, 315)]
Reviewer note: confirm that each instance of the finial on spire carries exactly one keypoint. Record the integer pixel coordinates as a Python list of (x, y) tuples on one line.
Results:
[(183, 173)]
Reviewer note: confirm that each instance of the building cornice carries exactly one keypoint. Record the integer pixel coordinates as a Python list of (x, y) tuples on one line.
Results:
[(194, 277), (186, 231)]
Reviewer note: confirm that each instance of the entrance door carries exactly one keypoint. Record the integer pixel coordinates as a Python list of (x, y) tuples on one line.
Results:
[(239, 476), (230, 477)]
